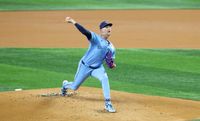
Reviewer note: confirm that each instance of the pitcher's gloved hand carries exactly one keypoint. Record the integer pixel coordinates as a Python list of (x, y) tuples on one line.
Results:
[(109, 60)]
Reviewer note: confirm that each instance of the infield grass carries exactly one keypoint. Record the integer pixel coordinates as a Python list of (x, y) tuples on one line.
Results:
[(97, 4), (195, 120), (162, 72)]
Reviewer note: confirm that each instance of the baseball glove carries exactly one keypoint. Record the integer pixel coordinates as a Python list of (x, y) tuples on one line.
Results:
[(109, 60)]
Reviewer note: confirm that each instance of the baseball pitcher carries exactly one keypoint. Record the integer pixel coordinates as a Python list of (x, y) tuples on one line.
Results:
[(91, 64)]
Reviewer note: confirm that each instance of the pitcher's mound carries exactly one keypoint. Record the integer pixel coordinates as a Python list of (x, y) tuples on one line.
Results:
[(88, 105)]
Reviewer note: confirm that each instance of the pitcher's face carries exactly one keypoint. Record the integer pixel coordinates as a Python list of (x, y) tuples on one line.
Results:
[(106, 31)]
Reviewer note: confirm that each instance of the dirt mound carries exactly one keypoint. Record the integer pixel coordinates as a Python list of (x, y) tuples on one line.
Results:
[(88, 105)]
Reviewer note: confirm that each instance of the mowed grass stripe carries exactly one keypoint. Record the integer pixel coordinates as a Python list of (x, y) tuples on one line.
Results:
[(165, 72), (13, 77), (96, 4)]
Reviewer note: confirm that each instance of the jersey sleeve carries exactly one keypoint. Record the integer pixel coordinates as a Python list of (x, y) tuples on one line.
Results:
[(94, 38), (83, 31)]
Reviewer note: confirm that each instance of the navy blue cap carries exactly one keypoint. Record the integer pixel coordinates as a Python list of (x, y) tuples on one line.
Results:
[(104, 24)]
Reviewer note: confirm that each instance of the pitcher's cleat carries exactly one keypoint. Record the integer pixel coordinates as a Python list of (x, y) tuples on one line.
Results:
[(63, 92), (109, 108), (64, 88)]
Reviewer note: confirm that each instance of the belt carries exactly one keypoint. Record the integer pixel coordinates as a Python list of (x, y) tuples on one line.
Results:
[(89, 66)]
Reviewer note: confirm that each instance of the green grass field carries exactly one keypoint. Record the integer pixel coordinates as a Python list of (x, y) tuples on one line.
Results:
[(97, 4), (195, 120), (163, 72)]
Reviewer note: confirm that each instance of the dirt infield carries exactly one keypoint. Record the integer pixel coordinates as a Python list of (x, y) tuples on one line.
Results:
[(132, 29), (88, 105)]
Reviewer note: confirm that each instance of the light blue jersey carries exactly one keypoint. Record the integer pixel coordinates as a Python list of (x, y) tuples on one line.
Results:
[(97, 51), (91, 64)]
